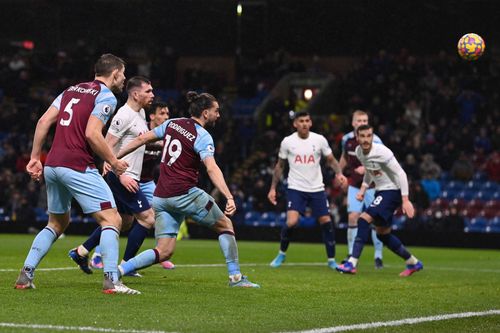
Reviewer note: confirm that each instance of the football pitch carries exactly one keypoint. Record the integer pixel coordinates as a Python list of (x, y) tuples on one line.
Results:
[(458, 291)]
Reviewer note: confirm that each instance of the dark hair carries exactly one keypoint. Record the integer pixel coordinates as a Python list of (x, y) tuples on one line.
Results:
[(363, 128), (136, 82), (107, 63), (199, 102), (156, 106), (301, 114)]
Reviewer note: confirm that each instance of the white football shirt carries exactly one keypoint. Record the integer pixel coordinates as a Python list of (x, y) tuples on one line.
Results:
[(126, 126), (383, 169), (304, 157)]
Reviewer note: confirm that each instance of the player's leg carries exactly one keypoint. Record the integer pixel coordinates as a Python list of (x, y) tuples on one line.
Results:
[(95, 198), (59, 204), (320, 209), (354, 209), (377, 244), (148, 189), (40, 247), (394, 244), (80, 254), (296, 205), (361, 238), (224, 227)]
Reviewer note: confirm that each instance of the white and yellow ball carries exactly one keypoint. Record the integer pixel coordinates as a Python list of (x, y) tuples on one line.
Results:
[(471, 46)]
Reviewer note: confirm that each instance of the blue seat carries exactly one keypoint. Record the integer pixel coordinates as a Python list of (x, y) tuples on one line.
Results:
[(473, 185), (252, 218), (476, 224), (454, 185), (466, 195), (398, 222), (479, 176), (450, 194), (307, 222), (41, 214)]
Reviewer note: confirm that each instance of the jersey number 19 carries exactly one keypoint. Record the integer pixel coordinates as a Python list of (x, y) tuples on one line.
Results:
[(174, 149)]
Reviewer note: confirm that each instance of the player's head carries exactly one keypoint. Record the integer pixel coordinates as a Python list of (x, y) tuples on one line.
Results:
[(112, 68), (158, 113), (359, 118), (302, 123), (139, 90), (364, 135), (203, 107)]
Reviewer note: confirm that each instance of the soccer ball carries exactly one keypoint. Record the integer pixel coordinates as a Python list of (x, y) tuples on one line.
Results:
[(471, 46)]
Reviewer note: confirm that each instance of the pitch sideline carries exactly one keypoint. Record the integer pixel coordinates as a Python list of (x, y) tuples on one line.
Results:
[(401, 322)]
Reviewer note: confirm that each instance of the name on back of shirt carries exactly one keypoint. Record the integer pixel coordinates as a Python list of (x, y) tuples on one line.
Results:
[(182, 131), (83, 90)]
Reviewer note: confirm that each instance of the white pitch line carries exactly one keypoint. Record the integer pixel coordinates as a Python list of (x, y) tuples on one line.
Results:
[(298, 264), (407, 321), (75, 328)]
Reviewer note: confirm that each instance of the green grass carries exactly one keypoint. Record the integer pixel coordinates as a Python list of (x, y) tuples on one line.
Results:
[(293, 297)]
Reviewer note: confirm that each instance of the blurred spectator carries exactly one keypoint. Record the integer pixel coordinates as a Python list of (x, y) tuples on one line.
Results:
[(493, 167), (462, 168)]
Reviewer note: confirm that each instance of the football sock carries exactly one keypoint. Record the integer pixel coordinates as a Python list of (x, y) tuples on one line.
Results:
[(40, 246), (229, 248), (361, 237), (329, 239), (351, 236), (136, 237), (109, 249), (142, 260), (91, 242), (412, 260), (395, 245), (377, 244), (286, 234)]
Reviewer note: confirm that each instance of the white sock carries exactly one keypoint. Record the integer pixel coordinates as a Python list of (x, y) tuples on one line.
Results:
[(353, 261), (82, 251), (412, 260)]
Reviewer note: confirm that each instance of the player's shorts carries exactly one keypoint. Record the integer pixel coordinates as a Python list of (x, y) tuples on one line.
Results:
[(148, 189), (383, 207), (170, 212), (88, 188), (127, 202), (317, 201), (356, 206)]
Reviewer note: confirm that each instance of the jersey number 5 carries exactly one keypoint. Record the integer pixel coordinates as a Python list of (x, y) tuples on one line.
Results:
[(68, 109), (174, 149)]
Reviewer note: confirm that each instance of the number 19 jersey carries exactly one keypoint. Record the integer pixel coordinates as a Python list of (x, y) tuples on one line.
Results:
[(185, 144)]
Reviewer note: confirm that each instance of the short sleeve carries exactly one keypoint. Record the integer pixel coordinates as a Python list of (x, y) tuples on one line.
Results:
[(105, 105), (57, 102), (159, 131), (325, 147), (204, 145), (119, 124), (283, 153)]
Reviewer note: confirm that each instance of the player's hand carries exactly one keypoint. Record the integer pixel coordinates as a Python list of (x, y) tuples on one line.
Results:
[(106, 167), (129, 183), (342, 180), (360, 170), (119, 167), (34, 169), (408, 208), (272, 196), (230, 207), (360, 195)]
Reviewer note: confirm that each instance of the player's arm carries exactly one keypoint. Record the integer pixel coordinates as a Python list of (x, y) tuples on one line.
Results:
[(217, 178), (137, 142), (34, 167), (367, 180), (335, 165), (394, 168), (278, 171), (93, 134)]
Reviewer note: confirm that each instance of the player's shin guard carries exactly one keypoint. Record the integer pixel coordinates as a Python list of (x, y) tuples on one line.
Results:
[(109, 248), (136, 237), (351, 236), (93, 241), (395, 245), (328, 233), (286, 235), (41, 245), (377, 244), (361, 237), (142, 260), (229, 248)]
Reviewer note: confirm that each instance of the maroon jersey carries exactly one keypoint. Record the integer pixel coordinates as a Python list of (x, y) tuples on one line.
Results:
[(150, 162), (186, 144), (70, 147)]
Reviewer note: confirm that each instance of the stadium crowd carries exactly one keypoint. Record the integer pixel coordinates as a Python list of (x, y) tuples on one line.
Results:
[(438, 114)]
